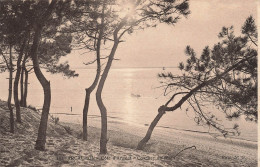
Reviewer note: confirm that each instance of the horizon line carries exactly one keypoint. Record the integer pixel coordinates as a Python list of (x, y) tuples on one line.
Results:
[(123, 67)]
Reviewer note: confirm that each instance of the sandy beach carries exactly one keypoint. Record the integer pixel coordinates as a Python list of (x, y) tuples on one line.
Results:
[(210, 150), (64, 146)]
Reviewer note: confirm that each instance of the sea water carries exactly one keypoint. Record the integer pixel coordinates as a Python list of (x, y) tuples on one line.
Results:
[(131, 95)]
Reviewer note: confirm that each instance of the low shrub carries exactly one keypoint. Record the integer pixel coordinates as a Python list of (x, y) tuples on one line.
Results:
[(68, 129), (32, 107)]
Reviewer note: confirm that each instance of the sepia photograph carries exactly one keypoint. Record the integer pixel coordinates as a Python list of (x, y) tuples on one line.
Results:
[(129, 83)]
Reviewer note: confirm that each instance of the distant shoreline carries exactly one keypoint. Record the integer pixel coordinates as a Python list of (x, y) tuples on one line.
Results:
[(145, 126)]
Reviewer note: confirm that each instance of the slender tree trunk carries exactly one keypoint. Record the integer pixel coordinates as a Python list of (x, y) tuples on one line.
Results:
[(85, 114), (94, 84), (21, 86), (10, 92), (41, 139), (24, 81), (16, 82), (25, 88), (86, 105), (16, 100), (102, 108), (149, 132)]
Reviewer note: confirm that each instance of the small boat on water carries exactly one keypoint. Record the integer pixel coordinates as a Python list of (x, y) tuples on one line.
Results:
[(135, 95)]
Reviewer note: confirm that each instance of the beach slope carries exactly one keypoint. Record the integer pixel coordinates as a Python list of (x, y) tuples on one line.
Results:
[(64, 147)]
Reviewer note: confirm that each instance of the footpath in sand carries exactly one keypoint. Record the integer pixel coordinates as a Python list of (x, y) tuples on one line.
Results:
[(64, 147)]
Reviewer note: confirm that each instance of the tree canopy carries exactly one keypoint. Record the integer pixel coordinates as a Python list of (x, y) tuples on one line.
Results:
[(235, 92)]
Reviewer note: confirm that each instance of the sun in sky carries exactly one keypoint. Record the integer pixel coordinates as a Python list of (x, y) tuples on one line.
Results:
[(125, 8)]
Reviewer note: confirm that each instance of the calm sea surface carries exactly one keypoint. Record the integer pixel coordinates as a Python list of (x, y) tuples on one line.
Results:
[(131, 95)]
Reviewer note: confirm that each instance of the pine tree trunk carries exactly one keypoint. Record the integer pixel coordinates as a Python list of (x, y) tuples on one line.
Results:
[(85, 114), (149, 132), (16, 82), (86, 104), (103, 138), (94, 84), (21, 86), (41, 139), (25, 88), (87, 99), (10, 92), (16, 100), (24, 82), (102, 108)]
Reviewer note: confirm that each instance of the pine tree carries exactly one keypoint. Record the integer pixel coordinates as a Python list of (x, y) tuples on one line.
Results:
[(225, 76)]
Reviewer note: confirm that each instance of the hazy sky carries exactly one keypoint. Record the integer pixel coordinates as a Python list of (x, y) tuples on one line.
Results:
[(164, 45)]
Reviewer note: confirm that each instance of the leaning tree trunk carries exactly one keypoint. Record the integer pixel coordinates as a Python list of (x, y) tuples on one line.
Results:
[(16, 82), (10, 92), (164, 108), (94, 84), (102, 108), (149, 132)]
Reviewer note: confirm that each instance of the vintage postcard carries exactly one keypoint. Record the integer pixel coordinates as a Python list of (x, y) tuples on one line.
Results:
[(129, 83)]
